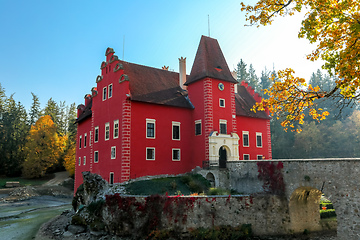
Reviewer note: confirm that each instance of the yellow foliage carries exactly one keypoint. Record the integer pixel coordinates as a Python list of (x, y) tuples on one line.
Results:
[(43, 148), (335, 28), (69, 160)]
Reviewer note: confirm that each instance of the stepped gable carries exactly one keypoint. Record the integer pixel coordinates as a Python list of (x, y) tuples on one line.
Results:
[(86, 113), (154, 85), (244, 102), (209, 62)]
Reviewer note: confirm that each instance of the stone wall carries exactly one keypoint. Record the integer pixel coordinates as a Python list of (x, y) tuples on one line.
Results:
[(126, 215)]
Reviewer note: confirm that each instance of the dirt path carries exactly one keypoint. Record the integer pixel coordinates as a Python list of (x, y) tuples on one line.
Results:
[(59, 178)]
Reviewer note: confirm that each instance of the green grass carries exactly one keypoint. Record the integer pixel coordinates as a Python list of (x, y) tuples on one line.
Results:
[(25, 181), (187, 184)]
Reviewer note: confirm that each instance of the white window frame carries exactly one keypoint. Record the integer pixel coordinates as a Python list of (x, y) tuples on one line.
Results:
[(80, 141), (85, 138), (257, 157), (172, 154), (172, 130), (104, 93), (246, 155), (84, 163), (223, 101), (198, 122), (96, 135), (79, 161), (257, 135), (222, 121), (116, 122), (110, 90), (150, 159), (96, 156), (90, 138), (153, 121), (113, 152), (107, 131), (248, 138), (111, 179)]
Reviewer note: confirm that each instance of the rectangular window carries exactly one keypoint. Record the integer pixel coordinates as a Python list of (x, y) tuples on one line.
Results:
[(96, 156), (110, 91), (150, 128), (198, 127), (246, 157), (111, 180), (259, 139), (90, 138), (113, 152), (96, 137), (222, 102), (260, 157), (175, 131), (150, 153), (85, 138), (84, 160), (175, 154), (116, 129), (80, 138), (107, 131), (223, 129), (104, 93), (245, 138), (79, 161)]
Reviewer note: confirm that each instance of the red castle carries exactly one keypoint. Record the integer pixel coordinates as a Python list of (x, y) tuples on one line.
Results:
[(142, 121)]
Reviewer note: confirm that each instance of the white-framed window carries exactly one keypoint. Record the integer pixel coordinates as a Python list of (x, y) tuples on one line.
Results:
[(79, 161), (104, 93), (96, 156), (80, 138), (198, 127), (113, 152), (150, 128), (246, 157), (258, 139), (116, 129), (107, 131), (222, 102), (259, 157), (85, 138), (175, 131), (150, 153), (111, 178), (96, 137), (84, 160), (176, 154), (223, 127), (245, 138), (110, 92)]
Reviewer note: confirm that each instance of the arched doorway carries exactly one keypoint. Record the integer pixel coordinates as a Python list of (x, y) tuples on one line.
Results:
[(222, 157), (211, 178)]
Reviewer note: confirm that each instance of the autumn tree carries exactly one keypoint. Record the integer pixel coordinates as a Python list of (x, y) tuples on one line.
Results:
[(334, 27), (43, 148)]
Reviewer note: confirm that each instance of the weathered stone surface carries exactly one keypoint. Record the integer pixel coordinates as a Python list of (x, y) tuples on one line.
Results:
[(75, 229), (95, 187)]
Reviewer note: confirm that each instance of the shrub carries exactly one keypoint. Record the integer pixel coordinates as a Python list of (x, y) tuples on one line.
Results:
[(218, 191), (77, 220), (96, 207)]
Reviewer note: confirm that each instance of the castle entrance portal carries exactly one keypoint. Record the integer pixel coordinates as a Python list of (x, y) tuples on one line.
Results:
[(222, 157)]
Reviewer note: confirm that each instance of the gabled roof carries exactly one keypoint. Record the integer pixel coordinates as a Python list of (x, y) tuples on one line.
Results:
[(209, 62), (244, 102), (155, 85), (86, 113)]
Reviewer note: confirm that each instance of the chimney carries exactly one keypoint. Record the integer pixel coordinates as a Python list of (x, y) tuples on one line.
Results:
[(234, 74), (182, 72)]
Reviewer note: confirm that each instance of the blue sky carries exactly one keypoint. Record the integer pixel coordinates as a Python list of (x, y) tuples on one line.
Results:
[(55, 48)]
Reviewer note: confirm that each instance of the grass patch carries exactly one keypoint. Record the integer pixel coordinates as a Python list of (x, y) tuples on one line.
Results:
[(187, 184), (25, 181)]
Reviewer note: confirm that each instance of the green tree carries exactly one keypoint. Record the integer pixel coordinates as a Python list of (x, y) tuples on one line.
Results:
[(253, 79), (35, 111), (242, 74)]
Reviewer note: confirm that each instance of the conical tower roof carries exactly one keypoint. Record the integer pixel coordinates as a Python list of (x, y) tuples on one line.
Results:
[(209, 62)]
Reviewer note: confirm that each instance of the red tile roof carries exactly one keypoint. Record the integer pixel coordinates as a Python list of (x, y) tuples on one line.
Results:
[(154, 85), (244, 102), (209, 62)]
